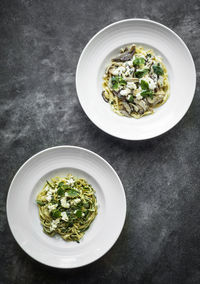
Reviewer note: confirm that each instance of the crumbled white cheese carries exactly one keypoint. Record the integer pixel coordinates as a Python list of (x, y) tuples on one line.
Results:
[(131, 85), (129, 71), (121, 69), (70, 181), (76, 201), (125, 92), (64, 202), (154, 77), (49, 196), (64, 216), (138, 96), (129, 63), (118, 71), (83, 214), (54, 224), (52, 207), (51, 190), (152, 84), (115, 72)]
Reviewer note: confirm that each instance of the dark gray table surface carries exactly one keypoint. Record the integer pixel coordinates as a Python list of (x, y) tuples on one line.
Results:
[(40, 44)]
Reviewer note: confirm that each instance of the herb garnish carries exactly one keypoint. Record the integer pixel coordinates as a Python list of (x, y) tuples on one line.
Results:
[(118, 81), (138, 61), (146, 92), (55, 213), (141, 73), (158, 70)]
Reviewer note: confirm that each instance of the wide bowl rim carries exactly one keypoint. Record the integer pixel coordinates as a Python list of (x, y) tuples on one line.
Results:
[(121, 190), (189, 55)]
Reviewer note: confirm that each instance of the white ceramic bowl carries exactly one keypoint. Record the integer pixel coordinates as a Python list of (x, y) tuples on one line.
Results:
[(97, 54), (22, 211)]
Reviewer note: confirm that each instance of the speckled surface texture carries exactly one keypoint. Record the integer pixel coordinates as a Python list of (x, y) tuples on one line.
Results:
[(40, 44)]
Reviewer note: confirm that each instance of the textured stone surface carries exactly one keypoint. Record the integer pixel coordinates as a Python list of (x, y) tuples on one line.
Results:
[(40, 43)]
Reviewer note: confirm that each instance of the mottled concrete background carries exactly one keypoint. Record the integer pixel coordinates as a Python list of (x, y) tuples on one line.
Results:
[(40, 44)]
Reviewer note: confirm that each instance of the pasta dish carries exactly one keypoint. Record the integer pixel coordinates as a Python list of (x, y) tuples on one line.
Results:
[(67, 206), (135, 82)]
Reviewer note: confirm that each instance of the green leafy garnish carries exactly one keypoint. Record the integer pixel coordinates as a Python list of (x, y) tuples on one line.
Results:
[(138, 61), (61, 191), (40, 202), (149, 55), (60, 184), (122, 82), (116, 81), (115, 86), (147, 93), (130, 99), (72, 193), (78, 213), (158, 70), (65, 186), (55, 213), (50, 184), (141, 73), (144, 85)]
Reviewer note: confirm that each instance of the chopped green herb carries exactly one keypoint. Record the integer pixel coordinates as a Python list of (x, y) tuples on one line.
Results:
[(40, 202), (138, 61), (158, 70), (50, 184), (60, 183), (130, 99), (61, 191), (122, 82), (65, 186), (144, 85), (149, 55), (141, 73), (53, 201), (115, 86), (116, 81), (55, 213), (147, 93), (72, 193), (78, 213)]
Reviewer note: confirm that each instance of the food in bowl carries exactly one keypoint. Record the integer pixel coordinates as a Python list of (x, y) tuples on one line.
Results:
[(135, 82), (67, 206)]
